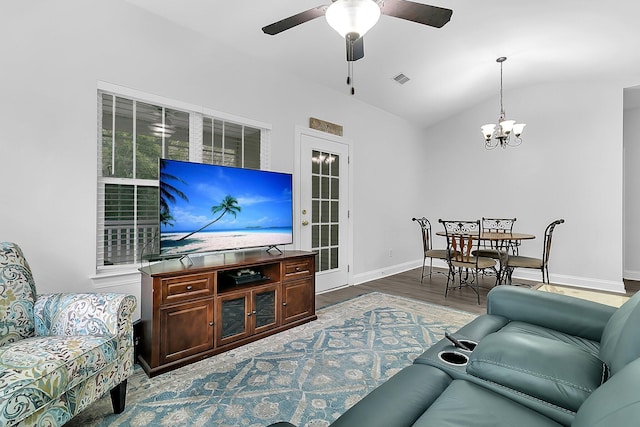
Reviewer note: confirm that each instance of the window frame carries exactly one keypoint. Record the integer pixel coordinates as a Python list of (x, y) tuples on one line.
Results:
[(197, 114)]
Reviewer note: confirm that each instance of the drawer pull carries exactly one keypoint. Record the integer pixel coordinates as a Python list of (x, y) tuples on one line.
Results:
[(189, 287), (297, 268)]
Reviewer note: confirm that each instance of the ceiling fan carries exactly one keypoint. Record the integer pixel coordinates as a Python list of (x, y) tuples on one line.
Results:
[(353, 18)]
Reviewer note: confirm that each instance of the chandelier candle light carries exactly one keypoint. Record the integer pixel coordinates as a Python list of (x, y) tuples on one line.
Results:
[(500, 134)]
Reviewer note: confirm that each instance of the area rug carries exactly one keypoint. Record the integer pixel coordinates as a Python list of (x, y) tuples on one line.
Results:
[(308, 375)]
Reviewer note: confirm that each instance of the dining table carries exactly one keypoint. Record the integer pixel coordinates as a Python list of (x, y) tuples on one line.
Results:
[(498, 240), (500, 237)]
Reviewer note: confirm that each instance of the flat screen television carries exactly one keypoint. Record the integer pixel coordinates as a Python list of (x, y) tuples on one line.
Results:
[(207, 208)]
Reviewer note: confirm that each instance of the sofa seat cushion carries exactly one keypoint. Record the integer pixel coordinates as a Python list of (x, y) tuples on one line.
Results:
[(36, 371), (585, 344), (550, 370), (399, 401), (466, 404)]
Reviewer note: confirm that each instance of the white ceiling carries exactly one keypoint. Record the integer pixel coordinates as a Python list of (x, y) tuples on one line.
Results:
[(451, 68)]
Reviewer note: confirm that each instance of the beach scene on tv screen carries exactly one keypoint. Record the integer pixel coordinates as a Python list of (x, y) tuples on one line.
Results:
[(206, 208)]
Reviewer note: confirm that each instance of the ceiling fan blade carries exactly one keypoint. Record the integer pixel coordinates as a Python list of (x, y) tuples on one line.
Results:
[(292, 21), (355, 48), (417, 12)]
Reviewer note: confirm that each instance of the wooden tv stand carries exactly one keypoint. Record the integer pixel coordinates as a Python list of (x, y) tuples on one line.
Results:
[(193, 309)]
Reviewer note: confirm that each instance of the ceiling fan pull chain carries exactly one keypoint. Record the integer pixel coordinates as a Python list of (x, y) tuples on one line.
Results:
[(350, 76)]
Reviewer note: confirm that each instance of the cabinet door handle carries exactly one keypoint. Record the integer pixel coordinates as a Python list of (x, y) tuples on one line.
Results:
[(189, 287), (284, 303), (210, 323), (253, 312), (249, 314)]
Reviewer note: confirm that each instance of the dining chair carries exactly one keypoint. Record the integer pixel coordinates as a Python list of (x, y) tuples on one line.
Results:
[(541, 264), (493, 248), (462, 240), (427, 247)]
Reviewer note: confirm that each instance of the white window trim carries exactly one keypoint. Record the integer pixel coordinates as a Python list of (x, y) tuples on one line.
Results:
[(179, 105), (107, 276)]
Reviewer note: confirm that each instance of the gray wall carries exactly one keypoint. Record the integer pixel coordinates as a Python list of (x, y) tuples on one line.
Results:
[(55, 53)]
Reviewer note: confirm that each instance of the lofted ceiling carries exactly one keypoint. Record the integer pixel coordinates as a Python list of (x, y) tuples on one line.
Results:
[(450, 69)]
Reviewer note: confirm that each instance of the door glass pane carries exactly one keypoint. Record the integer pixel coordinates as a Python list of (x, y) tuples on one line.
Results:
[(315, 165), (325, 184), (233, 317), (334, 258), (315, 187), (324, 259), (265, 308)]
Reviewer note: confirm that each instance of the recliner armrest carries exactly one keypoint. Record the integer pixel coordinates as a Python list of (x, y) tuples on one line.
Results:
[(563, 313)]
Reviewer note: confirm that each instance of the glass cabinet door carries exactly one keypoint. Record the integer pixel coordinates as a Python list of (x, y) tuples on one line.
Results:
[(233, 315), (264, 303), (245, 313)]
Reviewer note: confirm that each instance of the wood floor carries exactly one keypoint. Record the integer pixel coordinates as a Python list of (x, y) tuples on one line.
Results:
[(408, 284)]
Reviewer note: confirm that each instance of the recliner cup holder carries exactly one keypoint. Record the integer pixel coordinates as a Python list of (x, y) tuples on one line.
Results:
[(471, 345), (453, 357)]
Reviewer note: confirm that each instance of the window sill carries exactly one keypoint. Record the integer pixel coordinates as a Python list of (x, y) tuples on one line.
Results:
[(115, 277)]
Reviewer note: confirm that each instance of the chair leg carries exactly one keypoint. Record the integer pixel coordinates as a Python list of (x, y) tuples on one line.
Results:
[(508, 272), (451, 277), (118, 397), (430, 267), (424, 260)]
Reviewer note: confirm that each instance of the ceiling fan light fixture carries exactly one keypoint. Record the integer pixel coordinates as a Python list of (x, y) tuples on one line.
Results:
[(352, 16)]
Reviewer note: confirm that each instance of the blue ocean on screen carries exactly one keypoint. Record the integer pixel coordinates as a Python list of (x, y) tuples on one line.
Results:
[(207, 208)]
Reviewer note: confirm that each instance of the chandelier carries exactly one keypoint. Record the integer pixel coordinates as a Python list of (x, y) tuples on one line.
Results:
[(500, 134)]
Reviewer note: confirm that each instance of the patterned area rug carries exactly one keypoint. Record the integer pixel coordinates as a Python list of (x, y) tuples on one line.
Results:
[(308, 375)]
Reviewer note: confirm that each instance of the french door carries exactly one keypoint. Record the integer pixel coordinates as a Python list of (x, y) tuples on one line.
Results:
[(323, 205)]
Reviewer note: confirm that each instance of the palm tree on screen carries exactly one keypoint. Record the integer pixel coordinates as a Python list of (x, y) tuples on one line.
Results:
[(228, 205), (169, 194)]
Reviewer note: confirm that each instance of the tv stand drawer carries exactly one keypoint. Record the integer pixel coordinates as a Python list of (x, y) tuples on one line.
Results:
[(187, 287), (298, 268)]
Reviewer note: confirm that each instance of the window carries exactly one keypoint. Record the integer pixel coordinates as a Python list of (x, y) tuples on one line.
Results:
[(133, 134)]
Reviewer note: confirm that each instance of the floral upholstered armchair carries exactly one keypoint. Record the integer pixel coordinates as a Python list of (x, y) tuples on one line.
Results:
[(58, 352)]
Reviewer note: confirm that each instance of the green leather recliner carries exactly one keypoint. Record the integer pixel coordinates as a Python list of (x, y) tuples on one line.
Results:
[(541, 360)]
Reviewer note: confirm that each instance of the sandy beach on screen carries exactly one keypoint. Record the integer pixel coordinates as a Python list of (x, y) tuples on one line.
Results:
[(205, 242)]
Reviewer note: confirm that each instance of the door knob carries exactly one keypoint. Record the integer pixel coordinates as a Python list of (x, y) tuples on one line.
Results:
[(305, 222)]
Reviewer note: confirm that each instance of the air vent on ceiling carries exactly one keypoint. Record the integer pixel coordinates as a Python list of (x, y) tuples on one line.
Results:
[(401, 79)]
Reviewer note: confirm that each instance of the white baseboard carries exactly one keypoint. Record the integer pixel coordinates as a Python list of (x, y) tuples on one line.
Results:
[(521, 274), (389, 271), (632, 275)]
